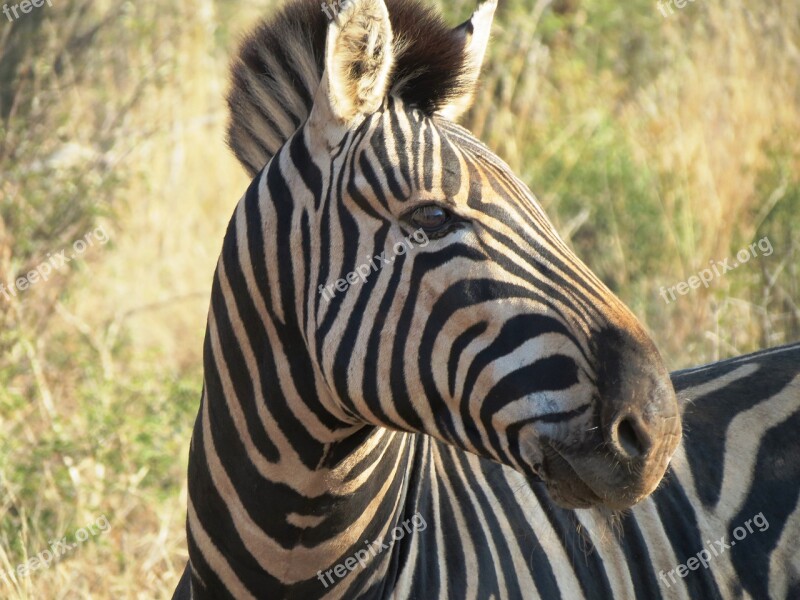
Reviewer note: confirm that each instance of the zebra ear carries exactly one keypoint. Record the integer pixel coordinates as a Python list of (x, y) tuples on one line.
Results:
[(475, 32), (358, 64)]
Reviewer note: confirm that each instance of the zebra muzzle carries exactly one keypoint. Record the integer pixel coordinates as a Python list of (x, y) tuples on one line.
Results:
[(584, 480)]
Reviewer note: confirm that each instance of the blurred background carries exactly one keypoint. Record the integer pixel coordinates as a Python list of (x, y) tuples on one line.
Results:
[(655, 143)]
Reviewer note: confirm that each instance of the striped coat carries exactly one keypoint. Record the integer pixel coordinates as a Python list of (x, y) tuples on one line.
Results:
[(414, 389)]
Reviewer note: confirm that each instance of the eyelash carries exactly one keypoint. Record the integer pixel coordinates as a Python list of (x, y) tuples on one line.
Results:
[(451, 222)]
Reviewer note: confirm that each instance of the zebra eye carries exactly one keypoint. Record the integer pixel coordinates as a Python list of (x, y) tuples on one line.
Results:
[(430, 217)]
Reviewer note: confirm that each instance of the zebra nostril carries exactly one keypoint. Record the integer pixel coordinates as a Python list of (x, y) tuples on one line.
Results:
[(629, 438)]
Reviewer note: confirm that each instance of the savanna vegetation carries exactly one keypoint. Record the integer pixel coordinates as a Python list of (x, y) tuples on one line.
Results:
[(655, 143)]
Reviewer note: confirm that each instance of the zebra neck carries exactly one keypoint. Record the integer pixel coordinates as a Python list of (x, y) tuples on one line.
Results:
[(285, 515), (279, 475)]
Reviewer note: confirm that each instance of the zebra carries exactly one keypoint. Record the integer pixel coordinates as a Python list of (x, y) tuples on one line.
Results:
[(472, 412)]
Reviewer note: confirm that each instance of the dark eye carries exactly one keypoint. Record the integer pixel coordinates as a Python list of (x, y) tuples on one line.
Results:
[(430, 217)]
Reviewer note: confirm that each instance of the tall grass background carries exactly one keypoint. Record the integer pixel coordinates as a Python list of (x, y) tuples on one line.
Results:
[(655, 144)]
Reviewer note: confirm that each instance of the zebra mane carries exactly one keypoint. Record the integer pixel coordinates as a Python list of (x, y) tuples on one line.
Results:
[(279, 67)]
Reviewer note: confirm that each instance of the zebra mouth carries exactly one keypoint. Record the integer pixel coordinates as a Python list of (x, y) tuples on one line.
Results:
[(565, 486)]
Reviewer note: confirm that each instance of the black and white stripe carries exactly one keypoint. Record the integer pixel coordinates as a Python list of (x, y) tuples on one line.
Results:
[(486, 381)]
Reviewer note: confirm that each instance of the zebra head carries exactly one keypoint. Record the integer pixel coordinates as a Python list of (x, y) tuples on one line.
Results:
[(429, 291)]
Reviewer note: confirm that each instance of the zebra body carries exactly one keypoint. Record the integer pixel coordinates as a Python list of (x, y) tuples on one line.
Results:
[(494, 535), (399, 344)]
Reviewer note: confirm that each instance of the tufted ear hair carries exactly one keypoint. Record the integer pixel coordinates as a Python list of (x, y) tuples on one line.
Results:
[(358, 65), (475, 32)]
